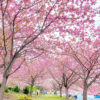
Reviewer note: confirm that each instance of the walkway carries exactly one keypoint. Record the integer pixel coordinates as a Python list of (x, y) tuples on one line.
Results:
[(80, 97)]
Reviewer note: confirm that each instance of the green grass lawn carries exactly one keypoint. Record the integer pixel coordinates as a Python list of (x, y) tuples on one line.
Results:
[(49, 97), (40, 97)]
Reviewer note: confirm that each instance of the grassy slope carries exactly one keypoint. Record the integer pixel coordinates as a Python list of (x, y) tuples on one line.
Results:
[(50, 97), (22, 96)]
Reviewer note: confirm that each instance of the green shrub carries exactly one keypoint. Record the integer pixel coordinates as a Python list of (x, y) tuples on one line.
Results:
[(0, 84), (16, 89), (10, 88), (35, 88), (6, 90), (26, 90)]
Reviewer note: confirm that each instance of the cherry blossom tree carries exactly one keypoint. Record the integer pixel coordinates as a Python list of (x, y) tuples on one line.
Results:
[(31, 72), (23, 21), (62, 75), (69, 78), (57, 76), (88, 65)]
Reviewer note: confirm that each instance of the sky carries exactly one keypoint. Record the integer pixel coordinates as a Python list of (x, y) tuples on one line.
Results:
[(97, 18)]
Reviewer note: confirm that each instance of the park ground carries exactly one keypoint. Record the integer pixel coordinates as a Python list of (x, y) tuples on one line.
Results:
[(16, 96), (20, 96)]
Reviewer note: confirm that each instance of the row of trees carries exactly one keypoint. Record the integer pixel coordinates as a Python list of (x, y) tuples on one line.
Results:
[(29, 28), (78, 67)]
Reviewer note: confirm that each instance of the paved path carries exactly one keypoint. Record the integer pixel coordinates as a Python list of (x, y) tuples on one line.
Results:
[(80, 97)]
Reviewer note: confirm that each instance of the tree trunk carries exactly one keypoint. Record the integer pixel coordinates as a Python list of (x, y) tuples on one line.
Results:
[(31, 88), (2, 90), (85, 93), (60, 91), (66, 93)]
